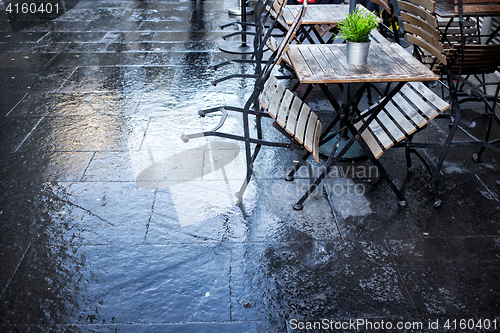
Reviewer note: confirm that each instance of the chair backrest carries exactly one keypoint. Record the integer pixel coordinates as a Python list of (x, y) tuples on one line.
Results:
[(384, 4), (276, 7), (277, 56), (274, 10), (422, 30), (421, 26), (263, 28), (469, 24), (478, 59)]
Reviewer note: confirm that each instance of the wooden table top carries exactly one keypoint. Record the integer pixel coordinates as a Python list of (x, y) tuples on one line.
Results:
[(327, 63), (317, 14), (446, 8)]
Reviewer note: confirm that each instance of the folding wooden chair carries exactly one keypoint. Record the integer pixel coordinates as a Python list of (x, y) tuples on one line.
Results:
[(479, 60), (389, 123), (261, 105), (304, 32), (423, 31), (470, 25)]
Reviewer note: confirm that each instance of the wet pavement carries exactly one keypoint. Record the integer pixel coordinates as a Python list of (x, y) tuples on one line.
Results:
[(110, 223)]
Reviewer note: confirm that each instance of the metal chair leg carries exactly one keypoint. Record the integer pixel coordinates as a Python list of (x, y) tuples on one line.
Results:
[(187, 137)]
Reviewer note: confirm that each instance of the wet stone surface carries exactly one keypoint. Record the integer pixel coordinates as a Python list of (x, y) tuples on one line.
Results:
[(109, 222)]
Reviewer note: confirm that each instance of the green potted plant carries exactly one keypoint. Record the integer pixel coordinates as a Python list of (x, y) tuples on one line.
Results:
[(356, 29)]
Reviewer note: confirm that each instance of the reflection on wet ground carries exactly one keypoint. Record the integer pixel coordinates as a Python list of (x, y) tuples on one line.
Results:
[(110, 223)]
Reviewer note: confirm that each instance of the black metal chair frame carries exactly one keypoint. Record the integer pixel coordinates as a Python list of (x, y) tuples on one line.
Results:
[(252, 107), (261, 34)]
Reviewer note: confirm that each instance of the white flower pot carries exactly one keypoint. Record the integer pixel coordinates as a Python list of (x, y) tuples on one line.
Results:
[(357, 53)]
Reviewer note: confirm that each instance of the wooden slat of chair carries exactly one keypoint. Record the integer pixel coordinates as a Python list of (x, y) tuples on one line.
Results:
[(391, 127), (370, 141), (278, 6), (273, 45), (419, 12), (429, 95), (322, 29), (292, 117), (437, 53), (291, 114), (478, 58), (450, 30), (381, 135), (317, 139), (276, 9), (309, 137), (283, 26), (453, 29), (291, 34), (284, 108), (409, 110), (301, 123), (422, 28), (392, 124), (424, 107), (268, 91), (427, 4), (417, 26), (384, 4), (275, 100), (386, 141), (400, 119)]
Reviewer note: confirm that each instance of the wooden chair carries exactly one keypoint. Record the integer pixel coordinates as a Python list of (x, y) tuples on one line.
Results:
[(381, 127), (422, 30), (456, 64), (436, 44), (262, 104), (408, 112), (483, 8), (319, 30), (292, 117)]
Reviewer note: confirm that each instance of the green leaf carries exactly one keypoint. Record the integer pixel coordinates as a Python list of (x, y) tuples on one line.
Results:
[(357, 26)]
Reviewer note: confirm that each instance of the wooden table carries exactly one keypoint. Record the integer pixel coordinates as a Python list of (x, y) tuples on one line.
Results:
[(324, 64), (319, 18), (446, 8), (317, 14), (327, 63)]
